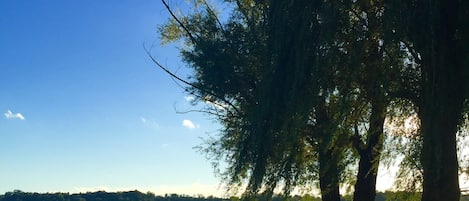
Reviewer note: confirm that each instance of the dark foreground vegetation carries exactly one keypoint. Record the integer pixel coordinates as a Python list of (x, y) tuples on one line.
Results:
[(139, 196)]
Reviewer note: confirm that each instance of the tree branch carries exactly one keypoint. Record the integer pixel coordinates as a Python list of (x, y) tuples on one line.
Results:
[(190, 84), (211, 12), (188, 33)]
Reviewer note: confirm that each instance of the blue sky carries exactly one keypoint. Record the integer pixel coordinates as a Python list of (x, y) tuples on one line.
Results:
[(83, 108)]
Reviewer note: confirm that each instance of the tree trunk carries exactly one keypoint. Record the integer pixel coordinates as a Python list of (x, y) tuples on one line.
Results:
[(440, 115), (365, 187), (329, 154), (328, 176), (372, 84), (442, 102), (439, 159)]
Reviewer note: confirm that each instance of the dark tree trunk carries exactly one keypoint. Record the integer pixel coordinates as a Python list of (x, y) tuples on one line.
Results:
[(439, 158), (375, 92), (440, 114), (442, 101), (329, 176), (365, 188), (329, 154)]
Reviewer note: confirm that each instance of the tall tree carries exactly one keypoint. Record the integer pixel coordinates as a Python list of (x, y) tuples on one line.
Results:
[(238, 81), (442, 101), (374, 64), (435, 31), (287, 77)]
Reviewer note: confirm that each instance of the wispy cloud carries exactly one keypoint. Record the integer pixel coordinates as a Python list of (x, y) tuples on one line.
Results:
[(143, 119), (149, 123), (189, 124), (11, 115)]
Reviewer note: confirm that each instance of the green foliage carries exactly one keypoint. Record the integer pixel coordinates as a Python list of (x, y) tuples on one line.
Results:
[(277, 70), (170, 32), (230, 62), (297, 85)]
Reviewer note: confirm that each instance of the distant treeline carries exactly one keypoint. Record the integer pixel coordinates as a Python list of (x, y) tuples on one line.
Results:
[(139, 196), (101, 196)]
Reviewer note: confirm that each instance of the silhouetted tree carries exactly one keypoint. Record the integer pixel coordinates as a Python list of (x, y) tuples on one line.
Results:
[(434, 31), (296, 84)]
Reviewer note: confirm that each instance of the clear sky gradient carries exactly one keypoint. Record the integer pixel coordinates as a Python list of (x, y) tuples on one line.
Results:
[(83, 108)]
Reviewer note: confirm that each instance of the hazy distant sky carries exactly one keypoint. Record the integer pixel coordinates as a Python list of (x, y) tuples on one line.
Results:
[(83, 108)]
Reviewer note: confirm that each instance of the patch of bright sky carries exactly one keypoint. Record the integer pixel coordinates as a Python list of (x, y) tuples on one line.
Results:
[(84, 108)]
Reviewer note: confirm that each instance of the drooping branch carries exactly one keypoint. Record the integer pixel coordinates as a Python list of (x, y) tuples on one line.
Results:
[(224, 100)]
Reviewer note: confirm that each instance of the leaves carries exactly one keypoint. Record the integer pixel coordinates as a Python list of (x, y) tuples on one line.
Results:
[(301, 80)]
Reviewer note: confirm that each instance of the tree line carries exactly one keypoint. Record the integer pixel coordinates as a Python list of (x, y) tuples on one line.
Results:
[(139, 196), (18, 195), (322, 93)]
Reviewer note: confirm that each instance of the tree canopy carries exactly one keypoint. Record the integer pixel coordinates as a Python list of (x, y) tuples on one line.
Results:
[(304, 89)]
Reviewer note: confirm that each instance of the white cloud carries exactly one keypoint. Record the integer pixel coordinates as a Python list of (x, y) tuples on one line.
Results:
[(143, 119), (11, 115), (188, 123), (189, 98)]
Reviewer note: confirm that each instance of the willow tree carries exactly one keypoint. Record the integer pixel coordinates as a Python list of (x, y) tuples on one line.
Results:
[(377, 64), (234, 68), (261, 67), (371, 67), (287, 77)]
